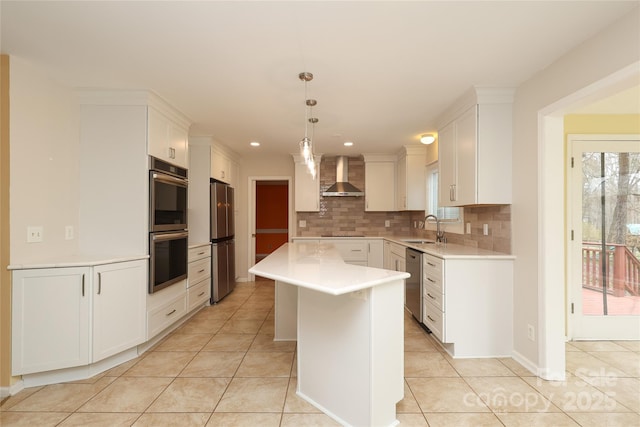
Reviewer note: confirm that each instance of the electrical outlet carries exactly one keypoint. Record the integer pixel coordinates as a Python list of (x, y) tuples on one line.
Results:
[(35, 234), (387, 223), (468, 228), (68, 232), (302, 223), (531, 332)]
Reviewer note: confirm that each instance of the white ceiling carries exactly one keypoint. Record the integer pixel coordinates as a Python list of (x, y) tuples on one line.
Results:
[(383, 71)]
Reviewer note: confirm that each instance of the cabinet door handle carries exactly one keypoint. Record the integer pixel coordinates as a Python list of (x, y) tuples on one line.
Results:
[(430, 318), (200, 253), (99, 283), (451, 193), (83, 285), (201, 293), (171, 312), (431, 280), (431, 264), (201, 271), (430, 296)]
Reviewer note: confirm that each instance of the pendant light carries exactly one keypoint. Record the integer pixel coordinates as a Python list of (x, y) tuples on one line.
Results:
[(306, 143)]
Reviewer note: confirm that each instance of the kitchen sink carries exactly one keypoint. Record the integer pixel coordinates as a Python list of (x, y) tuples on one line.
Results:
[(420, 241)]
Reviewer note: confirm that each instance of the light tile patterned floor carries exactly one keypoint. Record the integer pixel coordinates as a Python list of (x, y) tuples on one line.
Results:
[(222, 368)]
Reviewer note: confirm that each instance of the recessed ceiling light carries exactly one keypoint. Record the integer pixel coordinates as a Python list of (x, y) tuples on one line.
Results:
[(254, 143), (348, 144)]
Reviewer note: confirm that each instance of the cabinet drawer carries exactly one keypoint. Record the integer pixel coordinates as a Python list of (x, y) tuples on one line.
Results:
[(399, 250), (432, 265), (351, 251), (163, 316), (198, 270), (434, 282), (434, 319), (199, 252), (199, 293), (434, 297)]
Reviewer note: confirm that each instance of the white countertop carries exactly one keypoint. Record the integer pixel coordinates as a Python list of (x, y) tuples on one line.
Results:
[(76, 261), (441, 250), (320, 267)]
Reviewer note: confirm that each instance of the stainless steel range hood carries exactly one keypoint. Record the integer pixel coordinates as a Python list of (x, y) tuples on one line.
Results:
[(342, 187)]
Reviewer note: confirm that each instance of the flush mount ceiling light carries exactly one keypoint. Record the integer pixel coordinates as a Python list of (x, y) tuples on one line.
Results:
[(254, 144), (306, 143), (348, 144), (427, 138)]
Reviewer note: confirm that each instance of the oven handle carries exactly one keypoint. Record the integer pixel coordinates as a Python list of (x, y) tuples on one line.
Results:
[(159, 237), (169, 179)]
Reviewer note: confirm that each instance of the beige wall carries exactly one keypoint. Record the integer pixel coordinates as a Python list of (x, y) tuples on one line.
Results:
[(258, 165), (44, 163)]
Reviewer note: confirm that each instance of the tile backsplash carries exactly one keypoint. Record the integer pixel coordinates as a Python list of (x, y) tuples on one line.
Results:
[(346, 216)]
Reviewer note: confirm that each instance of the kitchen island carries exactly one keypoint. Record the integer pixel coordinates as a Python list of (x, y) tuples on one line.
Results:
[(348, 323)]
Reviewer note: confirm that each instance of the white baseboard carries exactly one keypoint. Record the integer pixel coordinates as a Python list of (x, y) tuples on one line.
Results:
[(12, 390), (528, 364)]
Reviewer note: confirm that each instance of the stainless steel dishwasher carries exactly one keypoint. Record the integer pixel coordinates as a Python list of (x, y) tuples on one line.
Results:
[(413, 285)]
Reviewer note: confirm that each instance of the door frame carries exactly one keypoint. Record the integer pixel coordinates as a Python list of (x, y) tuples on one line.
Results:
[(552, 230), (251, 226), (573, 192)]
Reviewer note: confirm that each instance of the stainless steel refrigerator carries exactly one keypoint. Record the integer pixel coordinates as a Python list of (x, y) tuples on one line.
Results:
[(223, 271)]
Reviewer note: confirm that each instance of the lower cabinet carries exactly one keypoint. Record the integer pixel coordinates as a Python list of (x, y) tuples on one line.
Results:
[(73, 316), (199, 277), (356, 251), (467, 304)]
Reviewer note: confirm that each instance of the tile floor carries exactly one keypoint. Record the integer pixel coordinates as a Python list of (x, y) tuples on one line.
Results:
[(222, 368)]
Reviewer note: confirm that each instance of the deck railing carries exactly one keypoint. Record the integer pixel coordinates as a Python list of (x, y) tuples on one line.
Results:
[(623, 269)]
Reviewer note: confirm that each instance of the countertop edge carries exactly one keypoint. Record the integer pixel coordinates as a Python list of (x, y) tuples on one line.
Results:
[(431, 249), (82, 261)]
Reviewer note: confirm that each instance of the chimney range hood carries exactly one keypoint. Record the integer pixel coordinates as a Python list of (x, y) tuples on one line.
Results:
[(342, 188)]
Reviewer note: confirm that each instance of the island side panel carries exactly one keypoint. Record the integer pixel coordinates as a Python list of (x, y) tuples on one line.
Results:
[(286, 312), (387, 349), (334, 359)]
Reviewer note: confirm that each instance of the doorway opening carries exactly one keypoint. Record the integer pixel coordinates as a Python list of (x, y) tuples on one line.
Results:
[(270, 219)]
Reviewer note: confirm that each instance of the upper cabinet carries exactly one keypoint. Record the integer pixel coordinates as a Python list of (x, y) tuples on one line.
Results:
[(474, 149), (411, 182), (168, 136), (307, 189), (379, 182), (223, 167)]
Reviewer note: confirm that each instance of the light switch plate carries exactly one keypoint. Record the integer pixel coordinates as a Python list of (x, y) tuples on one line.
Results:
[(468, 228), (35, 234), (485, 229)]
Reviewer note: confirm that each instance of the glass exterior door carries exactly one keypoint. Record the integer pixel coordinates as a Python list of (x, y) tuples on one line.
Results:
[(605, 253)]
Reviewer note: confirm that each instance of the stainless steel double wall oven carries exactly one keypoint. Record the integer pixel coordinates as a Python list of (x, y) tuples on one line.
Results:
[(168, 232)]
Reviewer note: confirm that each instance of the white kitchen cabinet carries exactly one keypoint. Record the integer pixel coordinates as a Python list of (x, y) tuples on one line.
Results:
[(306, 188), (199, 276), (397, 257), (474, 150), (467, 304), (379, 182), (50, 319), (352, 251), (73, 316), (114, 169), (375, 257), (167, 138), (118, 310), (411, 182), (199, 191), (223, 166), (165, 307)]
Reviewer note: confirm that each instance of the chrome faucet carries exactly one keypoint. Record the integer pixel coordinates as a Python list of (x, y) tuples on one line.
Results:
[(439, 234)]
